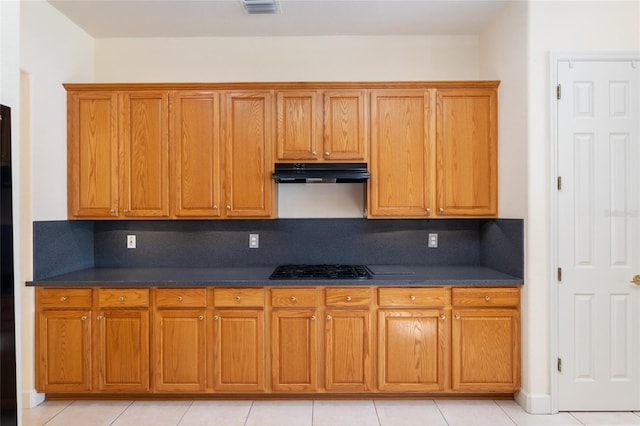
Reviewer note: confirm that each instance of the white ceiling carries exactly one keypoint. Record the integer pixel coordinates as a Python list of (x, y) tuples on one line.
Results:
[(219, 18)]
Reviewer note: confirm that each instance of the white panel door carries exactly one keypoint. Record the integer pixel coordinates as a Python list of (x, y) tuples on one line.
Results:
[(599, 235)]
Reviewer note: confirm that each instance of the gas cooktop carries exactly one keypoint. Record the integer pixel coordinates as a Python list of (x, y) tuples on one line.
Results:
[(321, 272)]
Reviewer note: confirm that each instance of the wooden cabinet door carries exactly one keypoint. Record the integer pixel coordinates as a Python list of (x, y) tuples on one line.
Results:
[(402, 136), (348, 350), (486, 350), (238, 353), (345, 126), (248, 165), (411, 350), (180, 350), (467, 145), (122, 350), (144, 134), (92, 154), (63, 360), (294, 350), (195, 154), (299, 133)]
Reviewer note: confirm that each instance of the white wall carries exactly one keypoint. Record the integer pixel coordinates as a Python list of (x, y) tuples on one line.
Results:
[(287, 59), (576, 26), (503, 56), (52, 51)]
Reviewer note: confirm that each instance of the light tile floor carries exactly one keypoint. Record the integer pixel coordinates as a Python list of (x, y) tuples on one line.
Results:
[(307, 413)]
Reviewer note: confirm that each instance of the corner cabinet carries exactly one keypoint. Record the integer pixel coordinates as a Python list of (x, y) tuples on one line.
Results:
[(279, 341)]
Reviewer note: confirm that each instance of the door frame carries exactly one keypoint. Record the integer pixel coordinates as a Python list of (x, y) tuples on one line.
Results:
[(554, 59)]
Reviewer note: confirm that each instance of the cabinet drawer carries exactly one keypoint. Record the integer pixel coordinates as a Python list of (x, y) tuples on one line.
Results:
[(489, 297), (412, 296), (348, 297), (181, 297), (238, 297), (65, 297), (294, 297), (127, 297)]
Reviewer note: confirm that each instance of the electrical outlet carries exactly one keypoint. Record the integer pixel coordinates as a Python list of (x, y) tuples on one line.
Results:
[(433, 240), (254, 241), (131, 241)]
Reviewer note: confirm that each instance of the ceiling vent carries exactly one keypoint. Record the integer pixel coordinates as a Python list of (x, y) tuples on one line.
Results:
[(260, 7)]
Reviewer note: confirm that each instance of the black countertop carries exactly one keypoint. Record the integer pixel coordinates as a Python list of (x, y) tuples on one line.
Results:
[(388, 275)]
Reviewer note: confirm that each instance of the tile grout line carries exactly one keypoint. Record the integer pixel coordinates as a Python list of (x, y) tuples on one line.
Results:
[(505, 412), (249, 412), (313, 407), (375, 408), (185, 413), (120, 415), (58, 413), (441, 413), (577, 419)]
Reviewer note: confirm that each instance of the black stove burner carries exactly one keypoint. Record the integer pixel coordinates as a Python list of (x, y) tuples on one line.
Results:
[(321, 272)]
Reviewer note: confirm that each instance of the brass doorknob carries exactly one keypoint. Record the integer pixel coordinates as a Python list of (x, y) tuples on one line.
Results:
[(635, 280)]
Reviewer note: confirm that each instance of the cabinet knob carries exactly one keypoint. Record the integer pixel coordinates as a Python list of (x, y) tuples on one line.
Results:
[(428, 210), (179, 298), (99, 317), (314, 153), (348, 298), (216, 318), (83, 318), (457, 317), (329, 317), (63, 298), (293, 298), (327, 153), (313, 317), (441, 210), (125, 211), (112, 211), (237, 298), (121, 298), (412, 297), (201, 317), (228, 206), (487, 298), (443, 317), (215, 207)]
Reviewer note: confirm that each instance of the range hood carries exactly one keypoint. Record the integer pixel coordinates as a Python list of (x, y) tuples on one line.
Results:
[(321, 172)]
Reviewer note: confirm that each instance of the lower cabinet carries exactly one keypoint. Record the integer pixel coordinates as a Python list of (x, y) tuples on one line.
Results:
[(340, 340)]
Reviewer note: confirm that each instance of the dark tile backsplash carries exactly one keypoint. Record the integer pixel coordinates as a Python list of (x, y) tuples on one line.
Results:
[(80, 244)]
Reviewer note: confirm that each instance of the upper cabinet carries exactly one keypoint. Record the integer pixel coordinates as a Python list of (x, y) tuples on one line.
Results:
[(196, 183), (207, 151), (315, 125), (402, 135), (434, 153), (467, 152), (248, 137), (118, 154)]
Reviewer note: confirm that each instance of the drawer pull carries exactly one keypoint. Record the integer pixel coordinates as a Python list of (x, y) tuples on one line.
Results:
[(237, 298), (313, 317), (63, 298), (348, 299), (327, 153), (83, 318), (329, 317), (443, 317), (216, 318), (201, 317), (293, 299), (179, 298), (412, 297), (121, 298), (457, 317), (487, 298)]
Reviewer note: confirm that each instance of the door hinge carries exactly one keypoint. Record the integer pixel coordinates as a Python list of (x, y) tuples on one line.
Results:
[(559, 274), (559, 91), (559, 183), (560, 365)]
